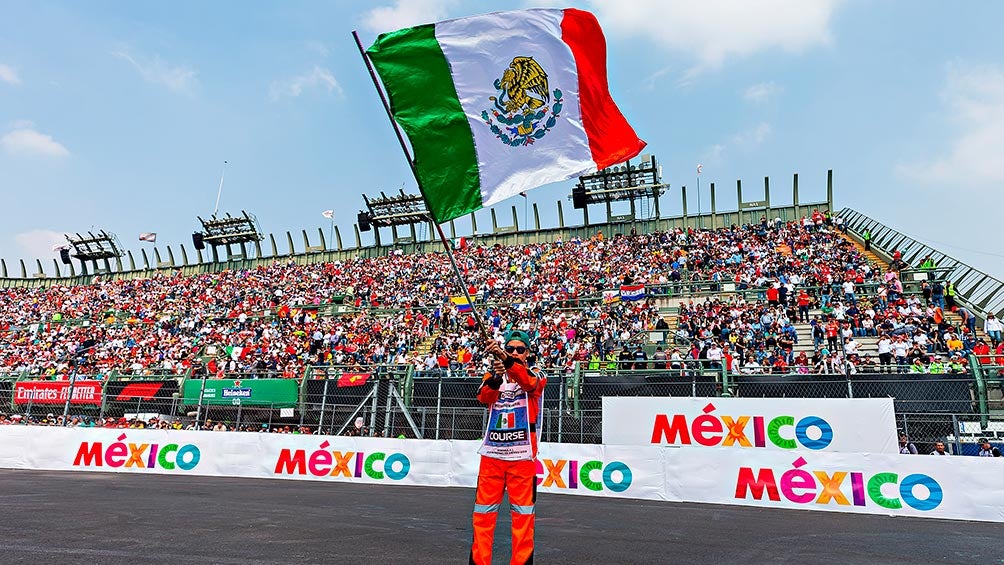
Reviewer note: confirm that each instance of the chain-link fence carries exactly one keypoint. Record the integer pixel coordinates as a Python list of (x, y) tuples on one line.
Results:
[(394, 402)]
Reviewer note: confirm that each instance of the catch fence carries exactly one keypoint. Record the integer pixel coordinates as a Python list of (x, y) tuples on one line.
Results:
[(393, 401)]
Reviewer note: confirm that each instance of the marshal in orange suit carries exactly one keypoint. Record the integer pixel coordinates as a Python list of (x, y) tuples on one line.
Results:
[(514, 393)]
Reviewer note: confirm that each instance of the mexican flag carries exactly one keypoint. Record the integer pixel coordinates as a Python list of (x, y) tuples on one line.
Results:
[(497, 104)]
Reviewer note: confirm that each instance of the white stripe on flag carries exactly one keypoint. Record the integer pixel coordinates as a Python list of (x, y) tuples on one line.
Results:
[(478, 52)]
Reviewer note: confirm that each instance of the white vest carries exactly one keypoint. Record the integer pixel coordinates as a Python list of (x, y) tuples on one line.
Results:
[(507, 436)]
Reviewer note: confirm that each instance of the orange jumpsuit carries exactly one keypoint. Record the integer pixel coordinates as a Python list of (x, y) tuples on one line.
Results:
[(508, 463)]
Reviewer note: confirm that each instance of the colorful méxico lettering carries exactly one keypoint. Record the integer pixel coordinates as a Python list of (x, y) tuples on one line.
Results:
[(802, 487), (350, 464), (140, 455), (711, 430), (577, 474)]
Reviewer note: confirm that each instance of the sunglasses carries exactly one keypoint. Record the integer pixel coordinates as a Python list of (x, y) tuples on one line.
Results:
[(515, 348)]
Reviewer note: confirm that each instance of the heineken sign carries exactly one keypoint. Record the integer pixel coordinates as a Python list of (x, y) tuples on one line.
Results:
[(274, 393)]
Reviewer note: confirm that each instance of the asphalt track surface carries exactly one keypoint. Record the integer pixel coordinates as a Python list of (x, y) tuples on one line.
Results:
[(104, 518)]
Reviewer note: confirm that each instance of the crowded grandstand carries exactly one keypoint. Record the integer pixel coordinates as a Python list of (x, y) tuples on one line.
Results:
[(775, 298)]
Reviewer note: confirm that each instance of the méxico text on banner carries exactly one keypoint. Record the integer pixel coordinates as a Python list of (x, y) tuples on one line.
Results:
[(865, 483), (806, 424), (963, 488)]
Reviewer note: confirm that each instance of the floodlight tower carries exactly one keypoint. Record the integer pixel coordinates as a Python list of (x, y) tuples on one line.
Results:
[(92, 247), (226, 231), (392, 211), (628, 181)]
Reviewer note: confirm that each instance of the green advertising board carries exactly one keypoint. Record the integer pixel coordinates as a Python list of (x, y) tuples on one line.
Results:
[(274, 393)]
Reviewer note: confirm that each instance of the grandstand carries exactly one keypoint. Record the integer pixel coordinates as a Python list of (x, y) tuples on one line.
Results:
[(764, 300)]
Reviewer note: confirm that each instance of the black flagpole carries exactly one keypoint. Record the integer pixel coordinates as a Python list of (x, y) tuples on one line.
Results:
[(414, 172)]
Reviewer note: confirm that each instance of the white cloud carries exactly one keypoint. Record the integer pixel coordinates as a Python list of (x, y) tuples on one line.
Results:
[(9, 75), (744, 140), (715, 31), (24, 140), (155, 70), (38, 244), (761, 92), (406, 13), (974, 102), (318, 77), (753, 137), (317, 47)]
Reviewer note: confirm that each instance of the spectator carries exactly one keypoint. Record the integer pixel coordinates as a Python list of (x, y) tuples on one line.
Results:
[(939, 448), (987, 450), (358, 428), (993, 328), (906, 447)]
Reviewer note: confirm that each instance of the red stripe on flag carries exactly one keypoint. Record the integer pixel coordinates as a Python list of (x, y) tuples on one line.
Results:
[(611, 139)]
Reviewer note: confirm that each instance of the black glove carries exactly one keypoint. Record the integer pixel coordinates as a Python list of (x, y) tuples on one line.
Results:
[(493, 382)]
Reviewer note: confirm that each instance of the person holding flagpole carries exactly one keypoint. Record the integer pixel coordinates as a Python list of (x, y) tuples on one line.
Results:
[(514, 394), (495, 105)]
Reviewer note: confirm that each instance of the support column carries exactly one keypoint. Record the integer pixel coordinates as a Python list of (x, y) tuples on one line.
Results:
[(714, 212), (766, 195), (829, 189), (794, 197)]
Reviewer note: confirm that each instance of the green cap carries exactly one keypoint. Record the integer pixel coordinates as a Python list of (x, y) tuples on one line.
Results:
[(517, 335)]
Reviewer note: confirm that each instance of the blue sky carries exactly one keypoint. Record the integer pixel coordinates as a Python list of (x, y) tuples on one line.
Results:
[(119, 115)]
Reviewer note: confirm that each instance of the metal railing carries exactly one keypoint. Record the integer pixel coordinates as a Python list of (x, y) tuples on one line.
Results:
[(392, 401), (983, 292)]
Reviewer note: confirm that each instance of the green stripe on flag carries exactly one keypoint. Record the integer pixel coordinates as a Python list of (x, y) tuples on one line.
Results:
[(424, 102)]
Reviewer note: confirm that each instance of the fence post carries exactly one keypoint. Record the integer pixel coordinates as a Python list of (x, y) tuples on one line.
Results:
[(386, 413), (439, 401), (725, 379), (957, 431), (198, 409), (104, 397), (576, 384), (324, 402), (981, 390), (375, 405), (69, 397), (561, 405)]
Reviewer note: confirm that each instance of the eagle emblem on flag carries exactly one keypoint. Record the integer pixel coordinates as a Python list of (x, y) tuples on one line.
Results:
[(521, 112)]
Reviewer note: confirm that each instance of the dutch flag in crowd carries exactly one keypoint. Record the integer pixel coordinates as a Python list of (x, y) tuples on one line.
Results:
[(632, 292)]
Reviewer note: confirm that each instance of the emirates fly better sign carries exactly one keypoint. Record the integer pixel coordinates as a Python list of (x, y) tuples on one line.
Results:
[(806, 424), (56, 392)]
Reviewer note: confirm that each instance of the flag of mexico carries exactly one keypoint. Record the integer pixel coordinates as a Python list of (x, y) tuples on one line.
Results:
[(497, 104)]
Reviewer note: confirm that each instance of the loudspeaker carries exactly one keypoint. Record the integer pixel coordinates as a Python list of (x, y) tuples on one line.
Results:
[(579, 197), (197, 241), (64, 256), (363, 219)]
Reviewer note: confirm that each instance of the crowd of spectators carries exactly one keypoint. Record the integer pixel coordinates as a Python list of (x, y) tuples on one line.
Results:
[(280, 319)]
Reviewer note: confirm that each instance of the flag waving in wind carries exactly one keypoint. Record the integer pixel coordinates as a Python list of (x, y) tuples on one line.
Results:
[(497, 104)]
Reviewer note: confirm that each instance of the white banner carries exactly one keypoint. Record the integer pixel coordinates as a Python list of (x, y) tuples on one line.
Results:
[(963, 488), (806, 424), (600, 470), (966, 488)]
